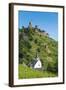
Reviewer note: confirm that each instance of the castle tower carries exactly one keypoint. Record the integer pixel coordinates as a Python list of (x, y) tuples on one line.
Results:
[(30, 25)]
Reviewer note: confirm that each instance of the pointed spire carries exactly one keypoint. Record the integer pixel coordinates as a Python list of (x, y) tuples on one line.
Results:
[(36, 54)]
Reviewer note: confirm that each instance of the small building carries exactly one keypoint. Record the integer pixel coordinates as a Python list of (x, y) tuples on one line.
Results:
[(36, 63)]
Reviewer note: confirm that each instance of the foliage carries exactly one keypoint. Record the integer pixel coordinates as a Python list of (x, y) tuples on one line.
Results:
[(36, 41), (26, 72)]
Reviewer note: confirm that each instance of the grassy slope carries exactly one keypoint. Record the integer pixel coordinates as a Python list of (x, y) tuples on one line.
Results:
[(26, 72), (48, 60)]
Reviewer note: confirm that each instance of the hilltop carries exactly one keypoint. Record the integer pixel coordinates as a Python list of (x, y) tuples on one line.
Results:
[(32, 40)]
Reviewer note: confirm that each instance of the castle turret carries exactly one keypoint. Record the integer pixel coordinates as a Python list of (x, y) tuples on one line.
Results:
[(36, 27), (30, 25)]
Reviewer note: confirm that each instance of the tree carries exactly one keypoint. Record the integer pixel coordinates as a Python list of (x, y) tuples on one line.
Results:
[(38, 49), (36, 41)]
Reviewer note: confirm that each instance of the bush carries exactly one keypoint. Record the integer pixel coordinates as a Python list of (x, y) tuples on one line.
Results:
[(28, 45), (53, 67), (20, 61), (30, 38), (20, 55), (36, 41), (38, 49)]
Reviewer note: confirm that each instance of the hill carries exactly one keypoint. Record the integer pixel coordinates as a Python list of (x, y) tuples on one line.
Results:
[(32, 40)]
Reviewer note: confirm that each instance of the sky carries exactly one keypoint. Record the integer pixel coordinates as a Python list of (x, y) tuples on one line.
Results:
[(47, 21)]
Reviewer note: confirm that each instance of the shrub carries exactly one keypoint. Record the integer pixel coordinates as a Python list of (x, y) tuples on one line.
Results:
[(36, 41), (38, 49)]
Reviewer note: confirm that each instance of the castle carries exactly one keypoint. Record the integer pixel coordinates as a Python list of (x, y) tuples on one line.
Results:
[(36, 29)]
